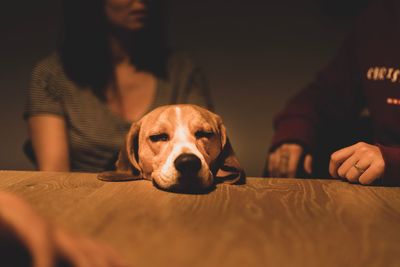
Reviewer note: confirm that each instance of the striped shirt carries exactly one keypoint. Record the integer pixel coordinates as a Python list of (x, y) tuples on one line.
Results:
[(95, 134)]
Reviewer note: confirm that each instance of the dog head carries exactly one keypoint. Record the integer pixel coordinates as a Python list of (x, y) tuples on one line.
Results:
[(179, 148)]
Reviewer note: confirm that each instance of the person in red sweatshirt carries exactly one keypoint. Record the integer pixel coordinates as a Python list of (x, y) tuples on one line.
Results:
[(363, 78)]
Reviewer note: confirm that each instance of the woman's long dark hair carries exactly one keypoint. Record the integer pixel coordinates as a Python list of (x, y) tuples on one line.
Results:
[(85, 50)]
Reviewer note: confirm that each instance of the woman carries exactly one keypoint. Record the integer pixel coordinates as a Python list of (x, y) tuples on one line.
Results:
[(113, 65)]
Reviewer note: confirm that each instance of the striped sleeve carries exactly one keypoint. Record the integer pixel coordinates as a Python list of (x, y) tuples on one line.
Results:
[(43, 96)]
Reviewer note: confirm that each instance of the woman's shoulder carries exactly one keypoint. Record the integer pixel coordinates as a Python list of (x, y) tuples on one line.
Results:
[(49, 65), (180, 59), (48, 74), (181, 64)]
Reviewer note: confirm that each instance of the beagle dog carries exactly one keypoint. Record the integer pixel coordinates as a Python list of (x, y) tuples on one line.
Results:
[(179, 148)]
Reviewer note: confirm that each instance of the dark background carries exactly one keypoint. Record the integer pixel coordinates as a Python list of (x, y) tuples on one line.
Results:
[(255, 53)]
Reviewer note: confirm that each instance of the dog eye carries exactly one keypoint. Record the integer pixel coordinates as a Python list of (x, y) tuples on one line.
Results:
[(163, 137), (207, 134)]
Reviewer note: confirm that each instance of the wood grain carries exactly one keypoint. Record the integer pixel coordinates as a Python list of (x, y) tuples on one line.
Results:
[(267, 222)]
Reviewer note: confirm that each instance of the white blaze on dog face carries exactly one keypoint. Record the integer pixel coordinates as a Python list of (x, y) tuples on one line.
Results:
[(174, 131)]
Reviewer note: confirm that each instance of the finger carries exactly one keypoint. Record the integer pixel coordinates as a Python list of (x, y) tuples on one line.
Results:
[(293, 163), (42, 250), (96, 254), (355, 173), (374, 172), (348, 166), (71, 248), (283, 154), (289, 160), (101, 255), (338, 158), (114, 259), (15, 213), (283, 166), (272, 165), (275, 170), (308, 164)]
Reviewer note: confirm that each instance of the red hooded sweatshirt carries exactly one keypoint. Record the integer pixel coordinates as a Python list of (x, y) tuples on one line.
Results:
[(365, 74)]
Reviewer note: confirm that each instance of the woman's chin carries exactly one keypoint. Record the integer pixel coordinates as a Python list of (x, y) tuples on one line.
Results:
[(136, 25)]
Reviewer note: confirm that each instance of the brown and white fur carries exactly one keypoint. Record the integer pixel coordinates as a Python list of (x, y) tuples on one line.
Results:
[(179, 148)]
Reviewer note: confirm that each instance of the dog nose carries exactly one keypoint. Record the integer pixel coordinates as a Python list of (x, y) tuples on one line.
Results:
[(187, 163)]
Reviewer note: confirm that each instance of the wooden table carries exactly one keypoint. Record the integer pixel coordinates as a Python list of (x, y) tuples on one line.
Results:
[(267, 222)]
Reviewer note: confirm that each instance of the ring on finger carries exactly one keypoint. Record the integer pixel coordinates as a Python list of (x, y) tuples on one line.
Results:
[(359, 169)]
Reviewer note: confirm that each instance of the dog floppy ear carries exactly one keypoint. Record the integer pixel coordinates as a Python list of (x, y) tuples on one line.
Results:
[(127, 165), (227, 168), (128, 159)]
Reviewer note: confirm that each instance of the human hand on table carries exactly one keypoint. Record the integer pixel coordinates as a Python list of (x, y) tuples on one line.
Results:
[(47, 245), (361, 163), (285, 161)]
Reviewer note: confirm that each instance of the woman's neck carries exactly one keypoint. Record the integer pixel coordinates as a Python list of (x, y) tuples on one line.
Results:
[(122, 45)]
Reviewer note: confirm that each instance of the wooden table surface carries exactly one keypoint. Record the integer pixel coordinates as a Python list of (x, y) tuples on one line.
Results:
[(267, 222)]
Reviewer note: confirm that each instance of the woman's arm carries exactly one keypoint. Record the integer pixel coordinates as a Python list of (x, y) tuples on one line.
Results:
[(50, 142), (44, 113)]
